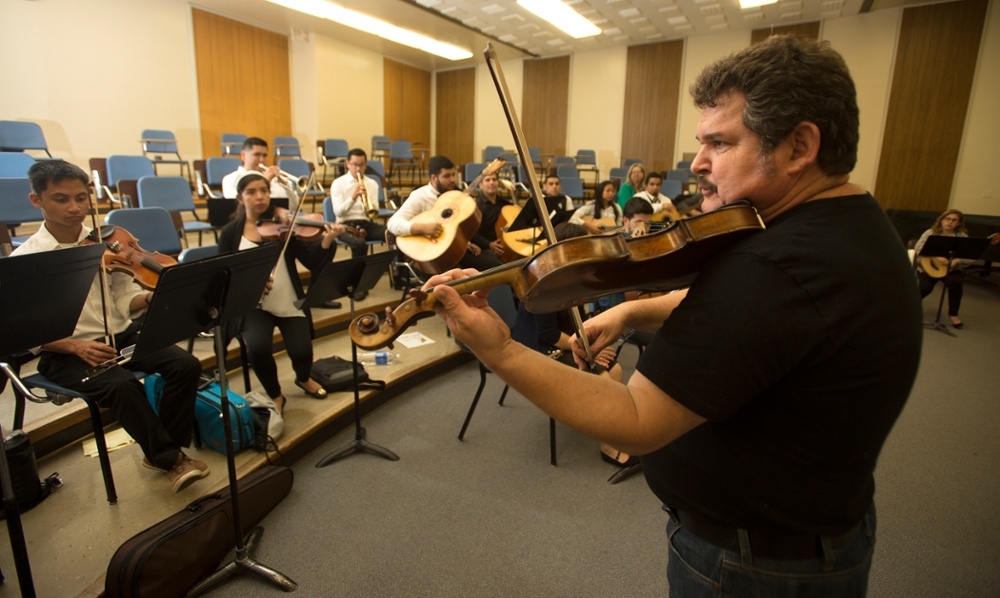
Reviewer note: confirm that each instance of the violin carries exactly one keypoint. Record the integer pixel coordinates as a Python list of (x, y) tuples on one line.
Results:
[(582, 269), (306, 226), (122, 253)]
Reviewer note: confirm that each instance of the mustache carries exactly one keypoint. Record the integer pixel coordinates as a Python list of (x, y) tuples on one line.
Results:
[(704, 183)]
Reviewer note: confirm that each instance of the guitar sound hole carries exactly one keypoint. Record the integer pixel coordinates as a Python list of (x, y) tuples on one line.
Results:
[(447, 213)]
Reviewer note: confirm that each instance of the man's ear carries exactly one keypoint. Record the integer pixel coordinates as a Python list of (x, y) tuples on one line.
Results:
[(805, 141), (35, 200)]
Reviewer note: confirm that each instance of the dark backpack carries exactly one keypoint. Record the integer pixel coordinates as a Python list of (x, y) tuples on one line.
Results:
[(335, 374)]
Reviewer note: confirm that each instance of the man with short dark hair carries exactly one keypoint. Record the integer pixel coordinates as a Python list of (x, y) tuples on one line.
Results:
[(59, 190), (637, 216), (490, 204), (658, 201), (770, 386), (348, 198), (254, 156), (552, 187), (442, 179)]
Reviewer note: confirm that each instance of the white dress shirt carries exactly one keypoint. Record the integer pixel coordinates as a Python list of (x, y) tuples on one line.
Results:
[(421, 200), (346, 208), (660, 203), (229, 185)]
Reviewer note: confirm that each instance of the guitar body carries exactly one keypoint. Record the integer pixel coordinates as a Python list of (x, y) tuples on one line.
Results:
[(518, 244), (933, 268), (606, 224), (460, 217)]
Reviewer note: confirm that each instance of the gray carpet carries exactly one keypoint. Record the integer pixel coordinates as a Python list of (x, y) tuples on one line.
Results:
[(491, 517)]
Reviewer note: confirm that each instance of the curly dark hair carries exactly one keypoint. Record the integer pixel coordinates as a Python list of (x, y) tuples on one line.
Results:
[(787, 80)]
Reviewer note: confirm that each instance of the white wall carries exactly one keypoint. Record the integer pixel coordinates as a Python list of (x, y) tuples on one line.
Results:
[(491, 124), (597, 104), (95, 74), (304, 95), (349, 92)]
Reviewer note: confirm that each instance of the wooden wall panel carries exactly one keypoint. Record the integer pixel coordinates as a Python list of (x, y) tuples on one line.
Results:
[(407, 101), (392, 93), (652, 92), (809, 30), (243, 80), (935, 64), (545, 104), (456, 114)]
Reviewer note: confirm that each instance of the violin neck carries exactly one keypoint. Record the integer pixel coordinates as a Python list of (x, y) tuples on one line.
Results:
[(309, 222), (508, 274)]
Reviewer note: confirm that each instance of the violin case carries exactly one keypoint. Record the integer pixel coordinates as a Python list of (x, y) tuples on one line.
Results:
[(168, 558)]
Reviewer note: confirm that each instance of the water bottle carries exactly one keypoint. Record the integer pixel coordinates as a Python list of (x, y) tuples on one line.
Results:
[(378, 358)]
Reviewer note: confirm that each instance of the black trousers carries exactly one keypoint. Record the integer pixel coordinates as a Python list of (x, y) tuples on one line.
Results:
[(160, 437), (953, 281), (258, 330), (482, 262), (359, 246)]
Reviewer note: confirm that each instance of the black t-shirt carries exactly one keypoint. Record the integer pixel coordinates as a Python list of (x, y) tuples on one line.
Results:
[(800, 345)]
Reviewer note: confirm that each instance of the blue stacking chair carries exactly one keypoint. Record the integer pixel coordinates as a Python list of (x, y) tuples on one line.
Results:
[(216, 169), (472, 170), (380, 147), (334, 153), (617, 175), (681, 175), (160, 141), (672, 188), (329, 216), (386, 197), (20, 136), (573, 187), (567, 170), (287, 147), (153, 228), (684, 165), (15, 165), (298, 168), (125, 168), (15, 207), (173, 194), (564, 161), (492, 152), (536, 157), (630, 161), (232, 143), (401, 158), (586, 160)]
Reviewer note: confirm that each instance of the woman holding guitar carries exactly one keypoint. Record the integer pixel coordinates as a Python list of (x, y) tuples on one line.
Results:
[(276, 308), (930, 270), (602, 214)]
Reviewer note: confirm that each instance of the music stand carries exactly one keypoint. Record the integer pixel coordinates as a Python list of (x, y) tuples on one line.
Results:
[(188, 299), (337, 280), (963, 248), (41, 297)]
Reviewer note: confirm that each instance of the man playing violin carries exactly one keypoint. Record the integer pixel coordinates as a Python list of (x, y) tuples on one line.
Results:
[(770, 385), (443, 178), (349, 206), (254, 157), (59, 190)]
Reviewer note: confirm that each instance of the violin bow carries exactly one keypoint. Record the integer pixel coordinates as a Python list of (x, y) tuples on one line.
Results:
[(102, 273), (536, 191), (300, 199)]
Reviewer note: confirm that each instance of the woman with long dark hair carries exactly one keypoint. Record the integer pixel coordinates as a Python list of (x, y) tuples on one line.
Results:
[(601, 214), (276, 308)]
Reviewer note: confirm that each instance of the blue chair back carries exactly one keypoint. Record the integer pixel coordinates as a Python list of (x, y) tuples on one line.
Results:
[(17, 136), (335, 148), (567, 170), (631, 161), (377, 166), (492, 152), (380, 144), (535, 154), (328, 214), (472, 170), (501, 300), (522, 175), (618, 172), (193, 254), (152, 227), (565, 161), (286, 146), (671, 188), (678, 175), (171, 193), (294, 166), (586, 156), (684, 165), (217, 168), (167, 146), (232, 143), (572, 186), (15, 165), (511, 158), (15, 207), (400, 150), (128, 168)]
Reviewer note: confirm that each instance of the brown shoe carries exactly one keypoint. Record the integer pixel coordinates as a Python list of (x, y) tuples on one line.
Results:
[(185, 471)]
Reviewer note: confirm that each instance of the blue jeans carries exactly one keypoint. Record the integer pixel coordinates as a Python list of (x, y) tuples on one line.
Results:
[(699, 569)]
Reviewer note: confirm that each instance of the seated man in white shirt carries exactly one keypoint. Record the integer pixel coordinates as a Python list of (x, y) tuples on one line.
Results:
[(442, 173), (348, 204), (254, 157), (59, 190), (660, 202)]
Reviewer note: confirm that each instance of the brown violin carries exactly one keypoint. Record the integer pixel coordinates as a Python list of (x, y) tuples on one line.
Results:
[(122, 253), (306, 227), (580, 270)]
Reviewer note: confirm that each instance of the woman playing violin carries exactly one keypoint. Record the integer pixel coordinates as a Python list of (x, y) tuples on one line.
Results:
[(276, 308), (601, 214)]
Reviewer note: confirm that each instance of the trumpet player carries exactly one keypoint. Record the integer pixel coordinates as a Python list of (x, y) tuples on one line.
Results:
[(254, 156), (355, 204)]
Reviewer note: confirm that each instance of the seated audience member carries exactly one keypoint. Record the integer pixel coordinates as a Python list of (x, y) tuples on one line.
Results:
[(660, 202), (632, 183), (59, 190), (254, 157), (277, 307), (602, 214), (949, 224), (636, 217), (442, 178), (490, 203), (552, 188)]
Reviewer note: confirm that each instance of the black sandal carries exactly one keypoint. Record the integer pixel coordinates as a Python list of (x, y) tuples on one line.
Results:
[(320, 392)]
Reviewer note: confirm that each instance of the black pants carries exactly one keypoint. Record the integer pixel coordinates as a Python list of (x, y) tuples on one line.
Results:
[(359, 246), (258, 330), (482, 262), (953, 281), (160, 437)]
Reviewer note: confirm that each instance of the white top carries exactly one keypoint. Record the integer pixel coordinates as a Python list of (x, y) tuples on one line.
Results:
[(90, 325), (421, 200), (657, 202), (279, 301), (588, 210), (229, 185), (346, 208)]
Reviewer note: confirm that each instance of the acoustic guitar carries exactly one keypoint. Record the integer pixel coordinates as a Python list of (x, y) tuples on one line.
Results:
[(519, 243), (459, 216), (935, 269)]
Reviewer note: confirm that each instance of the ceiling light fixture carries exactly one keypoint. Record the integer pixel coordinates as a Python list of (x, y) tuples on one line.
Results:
[(368, 24), (755, 3), (562, 16)]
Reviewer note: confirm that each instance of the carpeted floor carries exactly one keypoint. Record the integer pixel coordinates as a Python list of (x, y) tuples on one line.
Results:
[(491, 517)]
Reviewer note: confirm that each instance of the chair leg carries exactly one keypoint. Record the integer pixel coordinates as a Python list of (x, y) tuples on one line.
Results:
[(552, 442), (102, 451), (475, 400), (245, 362), (503, 395)]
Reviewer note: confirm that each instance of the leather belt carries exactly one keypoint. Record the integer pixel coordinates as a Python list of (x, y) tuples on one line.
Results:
[(763, 544)]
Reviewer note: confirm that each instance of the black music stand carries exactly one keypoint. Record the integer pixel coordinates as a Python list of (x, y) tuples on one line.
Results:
[(188, 299), (41, 297), (344, 279), (962, 248)]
